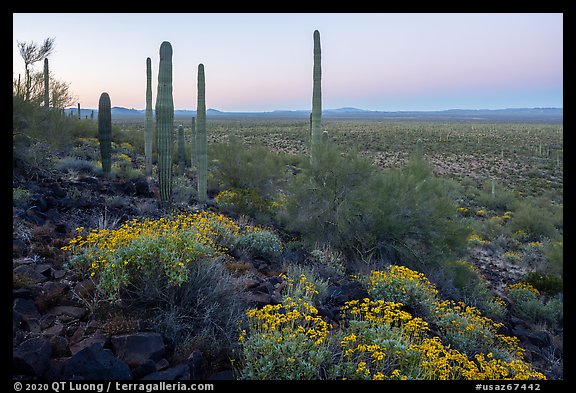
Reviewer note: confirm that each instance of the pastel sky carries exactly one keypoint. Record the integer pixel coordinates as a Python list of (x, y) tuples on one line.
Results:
[(263, 62)]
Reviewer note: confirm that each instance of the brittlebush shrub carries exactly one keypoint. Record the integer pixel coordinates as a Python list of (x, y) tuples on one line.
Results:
[(396, 215), (375, 339), (123, 258)]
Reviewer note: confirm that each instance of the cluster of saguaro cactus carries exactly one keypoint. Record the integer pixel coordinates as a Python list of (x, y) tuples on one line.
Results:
[(201, 138), (46, 84), (165, 121), (105, 132), (181, 151), (148, 132), (316, 116)]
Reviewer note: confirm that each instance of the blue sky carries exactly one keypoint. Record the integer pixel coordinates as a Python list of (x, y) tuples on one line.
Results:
[(263, 62)]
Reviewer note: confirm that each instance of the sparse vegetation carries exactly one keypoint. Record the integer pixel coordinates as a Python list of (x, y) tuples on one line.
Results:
[(401, 250)]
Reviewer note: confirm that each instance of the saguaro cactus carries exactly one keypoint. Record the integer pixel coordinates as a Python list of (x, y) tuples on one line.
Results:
[(201, 138), (105, 132), (165, 121), (316, 129), (79, 117), (419, 149), (181, 151), (194, 150), (46, 84), (148, 126)]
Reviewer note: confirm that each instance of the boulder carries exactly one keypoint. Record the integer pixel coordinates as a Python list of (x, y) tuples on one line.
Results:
[(31, 357), (137, 348), (96, 363)]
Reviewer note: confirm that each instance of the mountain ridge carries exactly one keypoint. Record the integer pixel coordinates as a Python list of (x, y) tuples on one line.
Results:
[(508, 114)]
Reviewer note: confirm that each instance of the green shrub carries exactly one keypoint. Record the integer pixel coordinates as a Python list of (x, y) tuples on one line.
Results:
[(261, 244), (237, 166), (20, 196), (400, 215), (502, 199), (467, 284), (545, 282), (246, 202), (528, 304), (537, 218), (554, 253)]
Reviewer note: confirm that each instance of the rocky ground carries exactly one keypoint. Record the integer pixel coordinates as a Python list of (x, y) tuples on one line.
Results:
[(55, 333)]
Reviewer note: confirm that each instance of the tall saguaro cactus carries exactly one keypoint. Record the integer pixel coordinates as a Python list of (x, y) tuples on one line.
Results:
[(181, 151), (46, 84), (148, 126), (316, 129), (201, 138), (194, 150), (79, 117), (105, 132), (165, 121)]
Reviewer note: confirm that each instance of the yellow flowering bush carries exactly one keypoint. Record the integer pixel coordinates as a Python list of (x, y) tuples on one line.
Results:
[(401, 284), (376, 340), (477, 239), (139, 248), (286, 340)]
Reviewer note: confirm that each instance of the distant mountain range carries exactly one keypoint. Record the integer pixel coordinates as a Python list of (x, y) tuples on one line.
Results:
[(554, 115)]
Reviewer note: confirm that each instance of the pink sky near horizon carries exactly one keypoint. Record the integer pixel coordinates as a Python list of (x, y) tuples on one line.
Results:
[(263, 62)]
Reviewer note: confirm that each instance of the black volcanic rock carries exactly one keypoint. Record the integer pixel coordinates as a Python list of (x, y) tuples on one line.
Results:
[(96, 363)]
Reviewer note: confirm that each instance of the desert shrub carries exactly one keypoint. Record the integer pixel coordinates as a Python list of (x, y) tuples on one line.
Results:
[(400, 284), (183, 190), (122, 167), (238, 166), (332, 259), (247, 202), (545, 282), (527, 303), (490, 228), (20, 197), (537, 218), (398, 215), (32, 159), (260, 244), (72, 164), (122, 258), (554, 253), (303, 280), (502, 199), (293, 329), (467, 284), (467, 330), (375, 339), (204, 311)]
